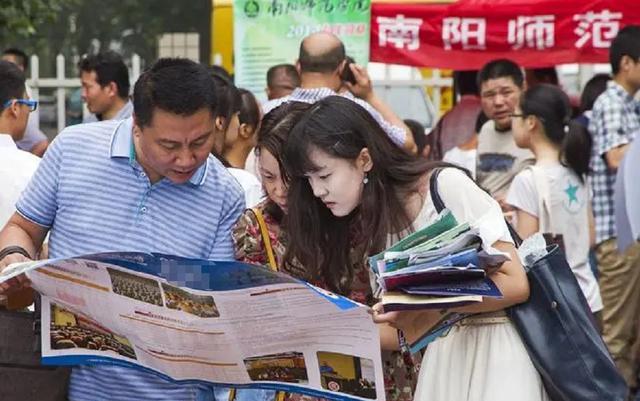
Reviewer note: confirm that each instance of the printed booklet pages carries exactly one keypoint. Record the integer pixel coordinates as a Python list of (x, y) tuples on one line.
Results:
[(225, 323)]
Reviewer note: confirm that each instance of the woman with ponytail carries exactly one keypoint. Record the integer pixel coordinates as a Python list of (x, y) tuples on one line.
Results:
[(552, 197)]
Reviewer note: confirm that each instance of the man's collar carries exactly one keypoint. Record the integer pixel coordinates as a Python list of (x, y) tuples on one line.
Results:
[(307, 91), (122, 139), (122, 147), (125, 111), (620, 91), (6, 141)]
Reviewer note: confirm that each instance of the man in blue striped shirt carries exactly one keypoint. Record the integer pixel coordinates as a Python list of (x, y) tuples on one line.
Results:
[(145, 184)]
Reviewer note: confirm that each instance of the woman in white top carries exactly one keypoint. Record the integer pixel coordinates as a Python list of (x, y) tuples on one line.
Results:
[(552, 197), (352, 189), (236, 131)]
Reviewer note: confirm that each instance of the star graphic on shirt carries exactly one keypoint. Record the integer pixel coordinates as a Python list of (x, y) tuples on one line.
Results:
[(572, 191)]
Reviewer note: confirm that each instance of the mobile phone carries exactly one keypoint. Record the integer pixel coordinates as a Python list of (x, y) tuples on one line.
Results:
[(347, 74)]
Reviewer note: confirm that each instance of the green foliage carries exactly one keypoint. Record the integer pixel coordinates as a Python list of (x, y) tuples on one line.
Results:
[(77, 27), (21, 18)]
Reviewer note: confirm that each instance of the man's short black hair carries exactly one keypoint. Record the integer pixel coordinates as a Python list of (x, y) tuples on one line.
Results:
[(501, 68), (325, 62), (466, 82), (626, 43), (276, 73), (20, 56), (11, 82), (178, 86), (109, 67)]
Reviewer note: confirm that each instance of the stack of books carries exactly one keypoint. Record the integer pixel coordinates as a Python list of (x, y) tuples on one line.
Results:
[(441, 266)]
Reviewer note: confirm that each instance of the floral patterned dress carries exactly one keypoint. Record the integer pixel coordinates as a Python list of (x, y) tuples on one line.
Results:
[(399, 382)]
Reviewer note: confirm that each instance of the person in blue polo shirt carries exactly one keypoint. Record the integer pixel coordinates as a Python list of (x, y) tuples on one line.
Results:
[(148, 184)]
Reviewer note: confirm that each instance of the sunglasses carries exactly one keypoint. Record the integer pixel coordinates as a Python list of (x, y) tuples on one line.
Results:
[(32, 104)]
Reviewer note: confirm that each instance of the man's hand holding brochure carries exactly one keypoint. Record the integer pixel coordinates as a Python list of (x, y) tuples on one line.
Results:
[(215, 323)]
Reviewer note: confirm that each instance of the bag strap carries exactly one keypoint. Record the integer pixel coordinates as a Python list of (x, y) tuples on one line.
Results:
[(266, 240), (438, 203), (433, 190)]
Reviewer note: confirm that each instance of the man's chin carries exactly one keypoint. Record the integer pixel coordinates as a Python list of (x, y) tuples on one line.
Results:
[(503, 125), (178, 178)]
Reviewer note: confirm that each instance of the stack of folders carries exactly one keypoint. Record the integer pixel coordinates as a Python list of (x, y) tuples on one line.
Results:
[(441, 266)]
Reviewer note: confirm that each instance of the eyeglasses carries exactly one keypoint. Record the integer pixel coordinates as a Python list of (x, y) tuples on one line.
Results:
[(514, 115), (32, 104)]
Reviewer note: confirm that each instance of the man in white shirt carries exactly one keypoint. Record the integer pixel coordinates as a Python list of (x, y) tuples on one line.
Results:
[(34, 140), (16, 166), (22, 376), (105, 87)]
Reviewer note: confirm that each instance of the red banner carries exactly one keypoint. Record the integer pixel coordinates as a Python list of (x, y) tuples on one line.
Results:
[(466, 34)]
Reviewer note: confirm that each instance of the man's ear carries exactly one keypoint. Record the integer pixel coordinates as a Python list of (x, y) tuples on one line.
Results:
[(298, 68), (626, 62), (364, 160), (341, 67), (112, 89), (13, 109), (137, 129)]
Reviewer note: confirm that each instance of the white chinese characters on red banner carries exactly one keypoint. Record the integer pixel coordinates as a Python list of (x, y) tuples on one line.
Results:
[(464, 35)]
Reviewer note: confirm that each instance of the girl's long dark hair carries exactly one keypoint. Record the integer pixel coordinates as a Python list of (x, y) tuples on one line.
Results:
[(319, 240), (552, 107), (272, 136)]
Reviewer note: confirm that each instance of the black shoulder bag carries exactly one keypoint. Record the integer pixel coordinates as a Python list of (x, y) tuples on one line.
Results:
[(558, 331)]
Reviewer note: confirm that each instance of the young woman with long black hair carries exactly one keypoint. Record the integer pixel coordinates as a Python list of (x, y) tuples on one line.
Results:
[(350, 185)]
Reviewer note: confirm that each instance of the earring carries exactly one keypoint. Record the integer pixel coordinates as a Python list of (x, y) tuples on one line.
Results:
[(365, 180)]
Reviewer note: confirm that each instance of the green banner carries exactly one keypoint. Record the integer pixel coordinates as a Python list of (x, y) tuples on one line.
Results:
[(267, 33)]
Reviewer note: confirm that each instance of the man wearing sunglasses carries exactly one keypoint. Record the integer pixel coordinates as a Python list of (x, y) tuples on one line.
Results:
[(34, 140), (16, 166), (19, 363)]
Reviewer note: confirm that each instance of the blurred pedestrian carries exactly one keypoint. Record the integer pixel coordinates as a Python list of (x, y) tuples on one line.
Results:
[(456, 126), (614, 124), (422, 138), (34, 140), (321, 63), (552, 197), (282, 79), (499, 158), (105, 86), (466, 154), (240, 140)]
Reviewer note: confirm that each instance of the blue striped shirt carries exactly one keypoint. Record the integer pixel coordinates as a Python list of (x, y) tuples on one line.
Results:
[(95, 197)]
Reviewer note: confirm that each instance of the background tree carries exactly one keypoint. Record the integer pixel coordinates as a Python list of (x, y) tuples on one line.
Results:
[(77, 27)]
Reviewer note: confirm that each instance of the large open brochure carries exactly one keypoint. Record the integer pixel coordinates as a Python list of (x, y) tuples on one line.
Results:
[(214, 322)]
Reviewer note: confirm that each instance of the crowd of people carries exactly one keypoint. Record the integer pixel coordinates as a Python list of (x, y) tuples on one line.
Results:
[(138, 288), (323, 175), (199, 305), (64, 337)]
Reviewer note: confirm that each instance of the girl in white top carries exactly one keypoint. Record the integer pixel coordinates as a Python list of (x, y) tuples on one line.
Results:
[(239, 128), (352, 190), (552, 197)]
